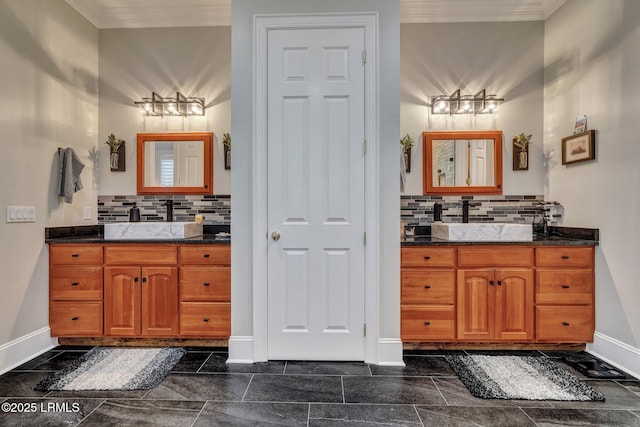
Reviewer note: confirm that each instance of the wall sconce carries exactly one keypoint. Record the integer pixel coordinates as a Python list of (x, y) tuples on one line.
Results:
[(480, 103), (178, 106)]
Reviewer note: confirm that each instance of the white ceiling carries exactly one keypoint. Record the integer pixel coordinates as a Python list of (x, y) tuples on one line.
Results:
[(181, 13)]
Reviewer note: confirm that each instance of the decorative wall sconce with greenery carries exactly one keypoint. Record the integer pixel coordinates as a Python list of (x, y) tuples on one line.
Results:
[(407, 145), (226, 143), (116, 153), (521, 152)]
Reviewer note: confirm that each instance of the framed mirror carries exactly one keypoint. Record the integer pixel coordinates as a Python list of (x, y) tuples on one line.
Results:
[(175, 163), (462, 162)]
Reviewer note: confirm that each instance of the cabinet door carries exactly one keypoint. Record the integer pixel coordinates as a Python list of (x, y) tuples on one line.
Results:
[(476, 320), (122, 301), (514, 304), (159, 301)]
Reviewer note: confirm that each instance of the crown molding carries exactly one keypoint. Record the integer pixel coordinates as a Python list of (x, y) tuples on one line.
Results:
[(440, 11), (550, 6)]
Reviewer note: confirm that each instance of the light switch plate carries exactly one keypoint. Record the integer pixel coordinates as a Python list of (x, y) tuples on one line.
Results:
[(86, 212), (21, 214)]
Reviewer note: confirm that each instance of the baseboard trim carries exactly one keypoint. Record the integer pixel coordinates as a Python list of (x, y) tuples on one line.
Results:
[(21, 350), (240, 349), (617, 353), (390, 352)]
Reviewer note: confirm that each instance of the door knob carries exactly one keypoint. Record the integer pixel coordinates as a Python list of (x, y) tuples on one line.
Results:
[(275, 235)]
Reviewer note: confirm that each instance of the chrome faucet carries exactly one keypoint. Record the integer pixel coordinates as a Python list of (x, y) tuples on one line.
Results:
[(169, 205)]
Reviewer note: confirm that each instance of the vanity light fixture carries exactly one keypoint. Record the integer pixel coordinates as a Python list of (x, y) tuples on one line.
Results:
[(178, 106), (480, 103)]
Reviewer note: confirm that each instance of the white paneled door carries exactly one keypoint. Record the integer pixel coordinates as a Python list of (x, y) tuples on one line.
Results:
[(316, 161)]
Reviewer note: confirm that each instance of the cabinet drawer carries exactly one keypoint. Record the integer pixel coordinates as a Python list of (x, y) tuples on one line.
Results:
[(556, 286), (205, 254), (564, 323), (496, 256), (71, 319), (140, 254), (564, 257), (427, 257), (75, 254), (427, 323), (205, 284), (426, 286), (205, 319), (75, 283)]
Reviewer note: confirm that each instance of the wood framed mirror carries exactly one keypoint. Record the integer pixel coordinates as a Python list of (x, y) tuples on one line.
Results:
[(462, 162), (175, 163)]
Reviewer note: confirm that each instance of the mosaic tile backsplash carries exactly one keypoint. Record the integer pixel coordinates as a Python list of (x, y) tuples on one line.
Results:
[(418, 210), (215, 209)]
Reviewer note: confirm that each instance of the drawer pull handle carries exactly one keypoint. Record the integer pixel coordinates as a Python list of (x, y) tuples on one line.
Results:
[(135, 279), (427, 257), (206, 319), (499, 282), (491, 282), (144, 280), (74, 318), (75, 255), (565, 286), (205, 284), (427, 286), (565, 323), (427, 323), (75, 284), (206, 255), (565, 256)]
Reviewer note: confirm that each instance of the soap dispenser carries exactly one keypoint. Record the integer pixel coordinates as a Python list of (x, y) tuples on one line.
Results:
[(134, 214), (437, 212)]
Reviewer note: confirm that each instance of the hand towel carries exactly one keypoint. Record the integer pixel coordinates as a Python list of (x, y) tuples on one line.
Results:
[(403, 170), (70, 169)]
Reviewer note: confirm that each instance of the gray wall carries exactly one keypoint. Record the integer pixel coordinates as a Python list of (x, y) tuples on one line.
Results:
[(592, 64), (134, 62), (506, 58), (49, 89), (242, 168)]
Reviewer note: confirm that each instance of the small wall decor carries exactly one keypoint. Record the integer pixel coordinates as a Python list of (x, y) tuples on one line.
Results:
[(579, 147), (116, 153), (226, 142), (521, 152), (407, 144)]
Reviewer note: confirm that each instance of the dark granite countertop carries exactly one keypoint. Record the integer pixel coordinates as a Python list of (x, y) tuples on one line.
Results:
[(557, 236), (95, 234)]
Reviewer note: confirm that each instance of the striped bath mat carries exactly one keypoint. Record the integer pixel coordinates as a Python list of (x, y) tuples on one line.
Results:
[(519, 377), (115, 369)]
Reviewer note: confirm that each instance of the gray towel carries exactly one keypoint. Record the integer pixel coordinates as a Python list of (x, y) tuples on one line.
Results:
[(70, 168)]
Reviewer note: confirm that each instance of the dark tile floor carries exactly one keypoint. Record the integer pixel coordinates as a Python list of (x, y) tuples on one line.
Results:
[(204, 391)]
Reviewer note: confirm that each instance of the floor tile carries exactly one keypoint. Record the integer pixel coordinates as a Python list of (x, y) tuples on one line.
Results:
[(232, 414), (33, 363), (99, 394), (326, 368), (617, 397), (631, 385), (201, 387), (21, 384), (191, 362), (295, 388), (416, 366), (46, 412), (362, 415), (144, 413), (456, 394), (582, 417), (218, 363), (60, 361), (462, 416), (562, 354), (433, 352), (531, 353), (392, 390)]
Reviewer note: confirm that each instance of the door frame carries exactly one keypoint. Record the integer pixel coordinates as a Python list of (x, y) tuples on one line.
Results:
[(262, 25)]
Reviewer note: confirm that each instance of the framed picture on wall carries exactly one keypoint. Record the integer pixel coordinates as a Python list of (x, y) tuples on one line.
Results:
[(579, 147)]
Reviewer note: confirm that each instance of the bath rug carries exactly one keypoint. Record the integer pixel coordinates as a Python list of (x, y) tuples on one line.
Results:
[(103, 368), (519, 377)]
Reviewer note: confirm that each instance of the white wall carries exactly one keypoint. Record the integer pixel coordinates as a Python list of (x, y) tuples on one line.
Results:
[(134, 62), (242, 160), (592, 67), (506, 58), (49, 89)]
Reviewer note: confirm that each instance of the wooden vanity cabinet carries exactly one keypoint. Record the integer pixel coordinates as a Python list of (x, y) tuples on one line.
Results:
[(141, 291), (205, 291), (75, 290), (565, 294)]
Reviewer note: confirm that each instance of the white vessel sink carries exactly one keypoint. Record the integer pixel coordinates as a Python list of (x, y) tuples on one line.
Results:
[(482, 232), (151, 230)]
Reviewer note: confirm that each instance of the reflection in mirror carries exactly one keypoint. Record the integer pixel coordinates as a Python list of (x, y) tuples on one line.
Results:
[(468, 162), (175, 163)]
